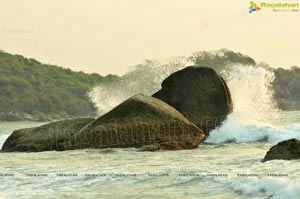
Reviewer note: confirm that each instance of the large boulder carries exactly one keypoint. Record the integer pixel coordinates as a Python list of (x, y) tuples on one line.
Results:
[(14, 138), (44, 138), (140, 121), (200, 94), (285, 150)]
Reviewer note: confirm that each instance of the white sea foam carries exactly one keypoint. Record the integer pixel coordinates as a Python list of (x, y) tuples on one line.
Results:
[(231, 131), (265, 187), (2, 139), (144, 78), (255, 116)]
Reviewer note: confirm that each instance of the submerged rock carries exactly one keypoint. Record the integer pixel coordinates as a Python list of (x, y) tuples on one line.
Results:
[(140, 121), (200, 94), (285, 150), (44, 138), (151, 147)]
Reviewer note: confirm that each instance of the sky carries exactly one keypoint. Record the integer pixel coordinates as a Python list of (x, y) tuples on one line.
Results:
[(109, 36)]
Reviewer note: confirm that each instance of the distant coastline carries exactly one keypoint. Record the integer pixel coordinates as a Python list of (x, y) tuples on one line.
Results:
[(32, 91)]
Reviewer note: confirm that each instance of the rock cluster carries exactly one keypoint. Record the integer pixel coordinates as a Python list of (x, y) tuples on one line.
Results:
[(200, 94), (191, 101)]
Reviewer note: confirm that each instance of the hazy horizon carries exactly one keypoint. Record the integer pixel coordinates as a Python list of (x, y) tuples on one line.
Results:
[(110, 36)]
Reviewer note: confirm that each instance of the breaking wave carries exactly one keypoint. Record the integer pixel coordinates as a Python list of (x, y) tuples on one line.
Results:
[(255, 116), (145, 78)]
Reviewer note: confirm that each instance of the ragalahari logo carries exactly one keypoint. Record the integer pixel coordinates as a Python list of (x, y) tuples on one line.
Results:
[(253, 7)]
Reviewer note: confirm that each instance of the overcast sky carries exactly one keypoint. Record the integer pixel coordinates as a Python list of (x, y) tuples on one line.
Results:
[(107, 36)]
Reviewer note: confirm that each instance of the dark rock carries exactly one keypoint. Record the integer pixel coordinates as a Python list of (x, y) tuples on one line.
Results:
[(44, 138), (140, 121), (285, 150), (200, 94), (14, 138)]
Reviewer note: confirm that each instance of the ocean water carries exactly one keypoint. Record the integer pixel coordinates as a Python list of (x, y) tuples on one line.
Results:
[(227, 165), (129, 173)]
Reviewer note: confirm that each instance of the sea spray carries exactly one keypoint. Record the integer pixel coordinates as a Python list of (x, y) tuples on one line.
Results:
[(145, 78), (252, 94), (263, 187), (255, 115)]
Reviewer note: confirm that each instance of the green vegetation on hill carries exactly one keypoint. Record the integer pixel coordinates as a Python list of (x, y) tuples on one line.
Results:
[(286, 84), (223, 61), (287, 88), (35, 91)]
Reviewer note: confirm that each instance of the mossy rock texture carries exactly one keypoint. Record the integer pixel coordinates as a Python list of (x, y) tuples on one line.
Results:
[(44, 138), (285, 150), (140, 121), (200, 94)]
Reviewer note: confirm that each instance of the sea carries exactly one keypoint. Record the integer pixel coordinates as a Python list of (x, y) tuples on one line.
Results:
[(227, 165)]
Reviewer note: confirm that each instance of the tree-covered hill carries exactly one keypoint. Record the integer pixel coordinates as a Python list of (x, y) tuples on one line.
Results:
[(35, 91), (286, 85), (287, 88)]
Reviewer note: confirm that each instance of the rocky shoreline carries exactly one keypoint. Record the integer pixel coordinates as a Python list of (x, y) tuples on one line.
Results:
[(191, 103), (168, 120)]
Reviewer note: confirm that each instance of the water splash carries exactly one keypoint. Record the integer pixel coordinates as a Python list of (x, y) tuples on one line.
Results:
[(252, 94), (145, 78), (255, 116)]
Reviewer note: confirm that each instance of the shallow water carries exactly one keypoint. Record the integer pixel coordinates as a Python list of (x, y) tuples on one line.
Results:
[(227, 165), (129, 173)]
